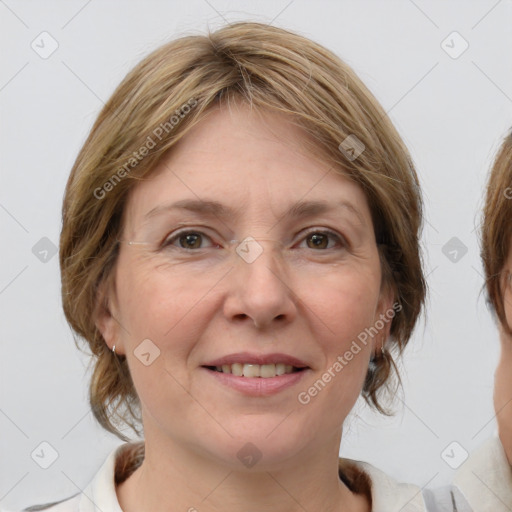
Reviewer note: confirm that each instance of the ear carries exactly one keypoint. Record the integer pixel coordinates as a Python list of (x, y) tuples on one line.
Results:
[(105, 315), (384, 314), (503, 280), (505, 289)]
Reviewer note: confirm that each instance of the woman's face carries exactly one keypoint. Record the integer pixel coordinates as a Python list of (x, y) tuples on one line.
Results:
[(506, 286), (301, 293)]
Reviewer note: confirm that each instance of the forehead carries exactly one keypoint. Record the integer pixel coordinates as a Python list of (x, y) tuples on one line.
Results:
[(249, 160)]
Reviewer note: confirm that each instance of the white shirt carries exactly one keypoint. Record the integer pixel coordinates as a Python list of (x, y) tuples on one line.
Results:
[(482, 484)]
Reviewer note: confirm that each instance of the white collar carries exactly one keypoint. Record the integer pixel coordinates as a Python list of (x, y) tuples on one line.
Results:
[(100, 495), (485, 479), (387, 494)]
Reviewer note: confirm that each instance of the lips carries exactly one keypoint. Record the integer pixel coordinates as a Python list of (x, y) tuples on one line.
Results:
[(256, 365), (251, 358), (257, 375)]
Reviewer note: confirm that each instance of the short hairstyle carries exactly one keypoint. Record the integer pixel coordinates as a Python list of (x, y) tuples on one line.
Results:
[(157, 104), (496, 227)]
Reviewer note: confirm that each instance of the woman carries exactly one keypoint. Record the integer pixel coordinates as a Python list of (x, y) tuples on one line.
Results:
[(240, 252), (497, 262)]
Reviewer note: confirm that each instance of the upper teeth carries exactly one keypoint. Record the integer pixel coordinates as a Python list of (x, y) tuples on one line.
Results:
[(255, 370)]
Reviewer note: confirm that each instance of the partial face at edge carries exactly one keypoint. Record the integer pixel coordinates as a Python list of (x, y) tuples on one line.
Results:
[(506, 286)]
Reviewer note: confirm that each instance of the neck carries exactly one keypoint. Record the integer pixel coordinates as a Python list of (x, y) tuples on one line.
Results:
[(175, 474)]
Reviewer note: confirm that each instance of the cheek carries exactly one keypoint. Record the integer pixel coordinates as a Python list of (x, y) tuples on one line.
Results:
[(508, 310), (172, 313), (346, 303), (156, 303), (168, 311), (343, 314)]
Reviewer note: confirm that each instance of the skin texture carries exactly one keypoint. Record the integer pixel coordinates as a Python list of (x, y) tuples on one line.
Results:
[(503, 375), (298, 301)]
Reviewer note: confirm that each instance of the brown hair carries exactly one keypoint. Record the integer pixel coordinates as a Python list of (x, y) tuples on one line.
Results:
[(496, 227), (157, 104)]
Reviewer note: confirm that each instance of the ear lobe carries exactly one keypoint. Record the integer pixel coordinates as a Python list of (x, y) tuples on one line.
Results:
[(385, 313), (103, 318)]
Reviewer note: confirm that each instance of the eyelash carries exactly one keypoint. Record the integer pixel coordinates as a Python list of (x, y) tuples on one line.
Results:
[(168, 242)]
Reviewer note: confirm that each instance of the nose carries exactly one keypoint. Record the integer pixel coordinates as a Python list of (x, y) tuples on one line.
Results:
[(259, 287)]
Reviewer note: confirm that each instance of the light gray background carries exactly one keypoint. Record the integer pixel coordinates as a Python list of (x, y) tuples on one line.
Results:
[(451, 112)]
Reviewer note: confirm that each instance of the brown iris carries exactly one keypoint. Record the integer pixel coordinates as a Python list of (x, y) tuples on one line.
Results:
[(319, 240)]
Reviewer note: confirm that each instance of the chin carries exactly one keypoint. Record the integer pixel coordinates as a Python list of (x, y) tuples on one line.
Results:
[(265, 444)]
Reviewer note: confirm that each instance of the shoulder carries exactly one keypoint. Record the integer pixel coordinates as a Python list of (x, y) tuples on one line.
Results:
[(388, 495), (100, 493), (66, 505), (485, 478)]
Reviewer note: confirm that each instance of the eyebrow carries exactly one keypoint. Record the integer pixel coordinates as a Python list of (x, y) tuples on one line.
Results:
[(301, 209)]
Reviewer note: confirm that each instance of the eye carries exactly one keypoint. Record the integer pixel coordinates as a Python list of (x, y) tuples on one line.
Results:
[(188, 240), (317, 239)]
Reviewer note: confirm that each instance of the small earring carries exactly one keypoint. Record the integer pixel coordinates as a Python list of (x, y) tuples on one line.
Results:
[(114, 349)]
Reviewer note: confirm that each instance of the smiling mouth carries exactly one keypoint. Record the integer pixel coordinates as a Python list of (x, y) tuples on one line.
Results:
[(263, 371)]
